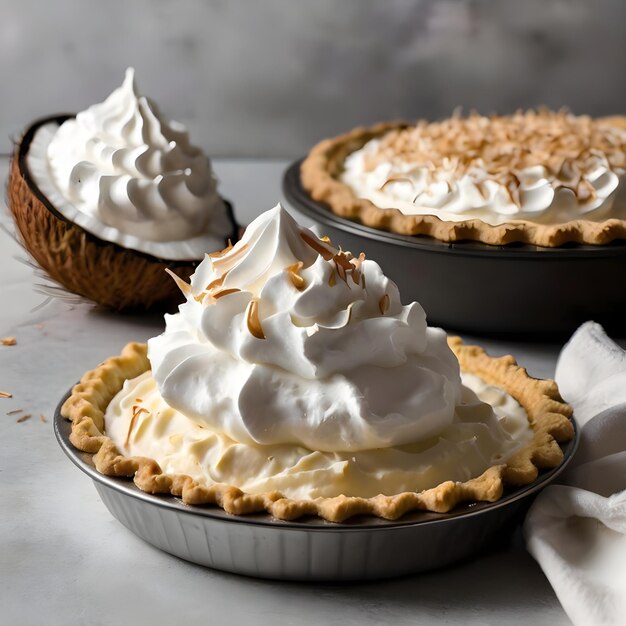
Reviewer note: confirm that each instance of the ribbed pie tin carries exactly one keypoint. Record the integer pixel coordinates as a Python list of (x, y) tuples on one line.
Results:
[(513, 290), (312, 549)]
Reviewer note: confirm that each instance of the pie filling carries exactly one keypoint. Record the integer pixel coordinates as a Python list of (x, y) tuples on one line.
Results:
[(488, 427), (542, 167)]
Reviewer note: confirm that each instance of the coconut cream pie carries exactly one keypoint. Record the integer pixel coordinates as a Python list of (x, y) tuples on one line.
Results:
[(117, 192), (539, 177), (293, 380)]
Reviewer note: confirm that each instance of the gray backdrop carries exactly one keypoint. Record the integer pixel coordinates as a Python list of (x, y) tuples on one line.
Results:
[(269, 78)]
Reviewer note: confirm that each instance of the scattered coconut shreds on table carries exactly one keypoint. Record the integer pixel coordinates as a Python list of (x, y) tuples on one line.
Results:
[(42, 418), (7, 341), (15, 411), (6, 394), (24, 418)]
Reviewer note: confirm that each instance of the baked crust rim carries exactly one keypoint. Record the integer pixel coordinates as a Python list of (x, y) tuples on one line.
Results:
[(319, 171), (548, 416)]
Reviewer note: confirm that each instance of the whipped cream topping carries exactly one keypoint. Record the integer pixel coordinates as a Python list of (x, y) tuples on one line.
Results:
[(141, 423), (293, 366), (125, 173), (285, 339), (542, 167)]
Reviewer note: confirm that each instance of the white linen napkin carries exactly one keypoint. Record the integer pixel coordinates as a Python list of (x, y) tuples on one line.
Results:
[(577, 530)]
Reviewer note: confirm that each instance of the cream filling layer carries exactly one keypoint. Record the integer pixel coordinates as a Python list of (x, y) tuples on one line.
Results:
[(488, 427)]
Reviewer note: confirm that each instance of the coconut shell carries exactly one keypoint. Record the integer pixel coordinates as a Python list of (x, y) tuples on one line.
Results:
[(104, 272)]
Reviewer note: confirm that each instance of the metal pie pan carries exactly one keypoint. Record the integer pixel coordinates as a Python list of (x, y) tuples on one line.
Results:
[(364, 548), (514, 290)]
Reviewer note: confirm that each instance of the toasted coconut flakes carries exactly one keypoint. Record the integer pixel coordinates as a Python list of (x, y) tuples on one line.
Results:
[(24, 418), (180, 283), (326, 251), (15, 411), (8, 341), (221, 253), (42, 418), (343, 258), (585, 190), (341, 272), (294, 274), (6, 394), (219, 259), (567, 146), (252, 319), (384, 303), (216, 283), (395, 179), (326, 239), (482, 189), (137, 411), (130, 429), (356, 272), (225, 292)]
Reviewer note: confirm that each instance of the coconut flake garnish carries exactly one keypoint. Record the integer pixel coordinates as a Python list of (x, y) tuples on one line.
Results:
[(294, 275), (252, 320), (344, 261), (567, 146), (180, 283), (384, 303), (137, 411), (224, 292)]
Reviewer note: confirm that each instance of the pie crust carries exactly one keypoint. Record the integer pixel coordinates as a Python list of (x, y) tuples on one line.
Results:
[(319, 175), (548, 415)]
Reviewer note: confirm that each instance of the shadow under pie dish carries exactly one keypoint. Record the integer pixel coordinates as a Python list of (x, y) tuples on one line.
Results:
[(310, 395)]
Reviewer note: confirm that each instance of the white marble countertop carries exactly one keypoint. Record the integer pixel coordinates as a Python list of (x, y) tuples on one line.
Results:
[(65, 560)]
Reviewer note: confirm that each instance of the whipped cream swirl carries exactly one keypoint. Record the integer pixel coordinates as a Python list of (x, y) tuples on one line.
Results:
[(285, 339), (134, 177), (503, 180)]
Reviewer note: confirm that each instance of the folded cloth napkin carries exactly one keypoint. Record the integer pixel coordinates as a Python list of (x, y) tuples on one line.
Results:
[(577, 530)]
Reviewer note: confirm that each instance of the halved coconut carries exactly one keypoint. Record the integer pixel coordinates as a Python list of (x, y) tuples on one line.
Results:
[(113, 274)]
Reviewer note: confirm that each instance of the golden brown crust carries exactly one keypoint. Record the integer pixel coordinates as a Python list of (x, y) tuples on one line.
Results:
[(548, 416), (321, 168)]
